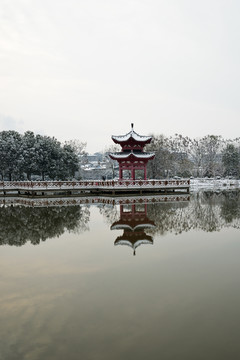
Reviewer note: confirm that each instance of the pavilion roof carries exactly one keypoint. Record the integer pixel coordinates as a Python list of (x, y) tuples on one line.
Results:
[(131, 135)]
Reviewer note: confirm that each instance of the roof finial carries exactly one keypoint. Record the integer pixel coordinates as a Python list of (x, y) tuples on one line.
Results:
[(132, 126)]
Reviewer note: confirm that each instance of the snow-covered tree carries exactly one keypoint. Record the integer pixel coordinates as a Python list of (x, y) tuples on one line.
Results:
[(46, 154), (32, 154), (196, 153), (28, 163), (10, 146), (181, 163), (162, 164), (111, 165), (212, 148), (70, 161), (231, 160)]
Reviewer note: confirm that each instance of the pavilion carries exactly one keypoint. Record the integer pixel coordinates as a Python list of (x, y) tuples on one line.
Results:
[(132, 157)]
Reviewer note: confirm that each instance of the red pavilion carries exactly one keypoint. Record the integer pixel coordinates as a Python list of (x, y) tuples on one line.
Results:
[(132, 157)]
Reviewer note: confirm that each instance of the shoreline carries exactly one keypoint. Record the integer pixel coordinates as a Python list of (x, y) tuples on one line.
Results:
[(199, 184)]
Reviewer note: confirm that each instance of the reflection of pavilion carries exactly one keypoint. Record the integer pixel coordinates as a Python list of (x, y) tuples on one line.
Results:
[(133, 221)]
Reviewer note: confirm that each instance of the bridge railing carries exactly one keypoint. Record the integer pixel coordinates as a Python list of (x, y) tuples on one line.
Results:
[(85, 184), (48, 201)]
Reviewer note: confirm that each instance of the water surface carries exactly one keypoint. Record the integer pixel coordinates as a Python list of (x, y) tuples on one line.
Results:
[(130, 281)]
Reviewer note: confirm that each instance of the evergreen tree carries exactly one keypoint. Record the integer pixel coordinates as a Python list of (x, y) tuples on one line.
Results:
[(47, 154), (231, 160), (69, 161), (10, 153), (28, 161)]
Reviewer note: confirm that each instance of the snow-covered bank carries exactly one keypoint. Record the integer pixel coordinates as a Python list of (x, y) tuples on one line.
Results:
[(213, 184)]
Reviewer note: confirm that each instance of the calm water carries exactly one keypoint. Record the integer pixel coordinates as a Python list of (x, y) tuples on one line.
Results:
[(72, 288)]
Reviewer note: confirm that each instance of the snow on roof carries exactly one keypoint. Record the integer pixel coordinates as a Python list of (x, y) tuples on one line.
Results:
[(129, 227), (131, 134), (135, 245), (125, 155)]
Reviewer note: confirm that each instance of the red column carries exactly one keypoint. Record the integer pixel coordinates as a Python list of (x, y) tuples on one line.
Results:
[(145, 209), (121, 210), (145, 172), (133, 212), (120, 172), (133, 173)]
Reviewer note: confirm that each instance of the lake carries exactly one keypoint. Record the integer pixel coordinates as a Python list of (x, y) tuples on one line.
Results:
[(136, 278)]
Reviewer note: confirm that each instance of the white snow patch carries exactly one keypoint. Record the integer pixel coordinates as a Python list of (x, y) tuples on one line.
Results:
[(213, 184)]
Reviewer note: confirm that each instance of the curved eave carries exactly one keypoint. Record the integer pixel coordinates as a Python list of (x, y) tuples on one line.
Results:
[(129, 227), (131, 155), (135, 245)]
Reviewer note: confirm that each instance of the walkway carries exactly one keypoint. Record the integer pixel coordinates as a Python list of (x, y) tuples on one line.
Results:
[(36, 188)]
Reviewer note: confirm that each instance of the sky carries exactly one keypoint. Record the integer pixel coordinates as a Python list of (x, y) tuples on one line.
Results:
[(87, 69)]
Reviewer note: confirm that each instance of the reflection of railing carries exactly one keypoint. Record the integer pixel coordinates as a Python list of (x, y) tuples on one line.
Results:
[(93, 185), (41, 202)]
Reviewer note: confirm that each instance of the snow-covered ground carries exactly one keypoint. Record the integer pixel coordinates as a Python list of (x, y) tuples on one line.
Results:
[(213, 184)]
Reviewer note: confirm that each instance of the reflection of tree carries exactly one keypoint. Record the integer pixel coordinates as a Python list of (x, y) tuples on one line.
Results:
[(230, 209), (110, 213), (20, 224), (168, 217), (207, 211)]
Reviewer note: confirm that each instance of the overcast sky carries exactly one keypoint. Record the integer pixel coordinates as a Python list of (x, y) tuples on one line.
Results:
[(86, 69)]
